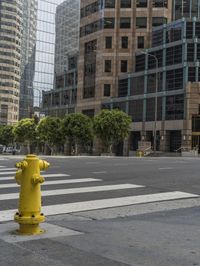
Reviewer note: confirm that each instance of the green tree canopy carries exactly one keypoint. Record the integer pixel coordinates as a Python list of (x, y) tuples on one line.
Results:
[(6, 135), (111, 126), (77, 129), (25, 131), (49, 131)]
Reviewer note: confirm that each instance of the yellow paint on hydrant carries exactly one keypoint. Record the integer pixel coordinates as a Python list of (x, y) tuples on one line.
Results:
[(29, 215)]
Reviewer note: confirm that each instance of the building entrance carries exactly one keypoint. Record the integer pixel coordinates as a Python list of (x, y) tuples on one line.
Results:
[(175, 140)]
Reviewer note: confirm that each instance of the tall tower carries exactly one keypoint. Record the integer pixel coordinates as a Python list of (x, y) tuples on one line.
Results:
[(28, 48), (10, 60), (110, 33)]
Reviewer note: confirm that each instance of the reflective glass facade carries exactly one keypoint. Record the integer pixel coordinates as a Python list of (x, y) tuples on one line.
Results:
[(186, 8)]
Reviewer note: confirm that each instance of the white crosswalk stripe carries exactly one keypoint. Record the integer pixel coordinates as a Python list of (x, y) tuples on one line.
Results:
[(45, 175), (57, 192), (56, 182), (102, 204), (83, 187)]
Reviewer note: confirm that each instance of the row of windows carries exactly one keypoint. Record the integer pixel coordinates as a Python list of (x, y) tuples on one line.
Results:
[(174, 108), (123, 66), (10, 54), (10, 77), (125, 23), (98, 5), (174, 80), (11, 17), (9, 62)]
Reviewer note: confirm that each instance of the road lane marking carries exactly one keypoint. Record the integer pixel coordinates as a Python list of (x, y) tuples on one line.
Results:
[(7, 215), (5, 169), (56, 182), (67, 191), (45, 175), (166, 168), (7, 173), (101, 172)]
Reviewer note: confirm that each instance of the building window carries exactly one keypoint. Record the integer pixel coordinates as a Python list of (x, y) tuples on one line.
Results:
[(125, 23), (157, 21), (124, 42), (106, 91), (124, 65), (109, 23), (140, 42), (141, 22), (88, 112), (142, 3), (109, 3), (123, 88), (125, 4), (107, 66), (192, 74), (108, 42), (174, 107), (160, 3)]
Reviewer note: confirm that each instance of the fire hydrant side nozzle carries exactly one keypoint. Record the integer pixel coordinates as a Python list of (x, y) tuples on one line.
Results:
[(29, 215)]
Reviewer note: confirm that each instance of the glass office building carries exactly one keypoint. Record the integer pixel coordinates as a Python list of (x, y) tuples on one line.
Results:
[(186, 8), (177, 49)]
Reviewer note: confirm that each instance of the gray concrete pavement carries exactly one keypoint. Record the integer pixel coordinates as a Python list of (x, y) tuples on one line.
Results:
[(160, 233)]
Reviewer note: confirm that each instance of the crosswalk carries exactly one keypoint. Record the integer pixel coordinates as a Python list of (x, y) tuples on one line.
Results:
[(63, 193)]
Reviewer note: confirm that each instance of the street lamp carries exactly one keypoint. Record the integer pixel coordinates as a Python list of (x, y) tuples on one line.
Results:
[(156, 99)]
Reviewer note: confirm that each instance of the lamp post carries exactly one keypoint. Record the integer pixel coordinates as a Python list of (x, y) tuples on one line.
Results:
[(156, 100)]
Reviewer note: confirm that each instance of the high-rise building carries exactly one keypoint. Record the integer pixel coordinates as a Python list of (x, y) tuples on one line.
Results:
[(110, 33), (10, 60), (28, 48), (62, 98)]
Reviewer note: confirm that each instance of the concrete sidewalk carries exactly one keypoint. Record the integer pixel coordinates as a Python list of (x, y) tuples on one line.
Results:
[(157, 238)]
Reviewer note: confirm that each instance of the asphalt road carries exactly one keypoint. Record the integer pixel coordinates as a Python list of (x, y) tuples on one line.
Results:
[(158, 233)]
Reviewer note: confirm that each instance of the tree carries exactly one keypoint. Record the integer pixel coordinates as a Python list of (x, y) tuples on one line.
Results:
[(111, 127), (6, 135), (25, 132), (49, 131), (77, 129)]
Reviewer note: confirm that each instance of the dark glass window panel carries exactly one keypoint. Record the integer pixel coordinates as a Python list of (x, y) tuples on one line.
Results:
[(108, 42), (88, 112), (174, 79), (136, 110), (174, 107), (137, 85), (190, 52), (124, 41), (160, 3), (196, 124), (120, 105), (174, 32), (142, 3), (109, 23), (151, 82), (108, 66), (140, 42), (189, 30), (125, 3), (140, 63), (192, 74), (174, 55), (197, 29), (150, 109), (152, 59), (89, 92), (90, 9), (124, 65), (157, 21), (141, 22), (125, 23), (157, 37), (106, 90), (123, 88), (109, 3)]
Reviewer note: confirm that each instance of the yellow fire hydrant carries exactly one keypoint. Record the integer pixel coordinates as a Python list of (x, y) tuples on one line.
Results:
[(29, 215)]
